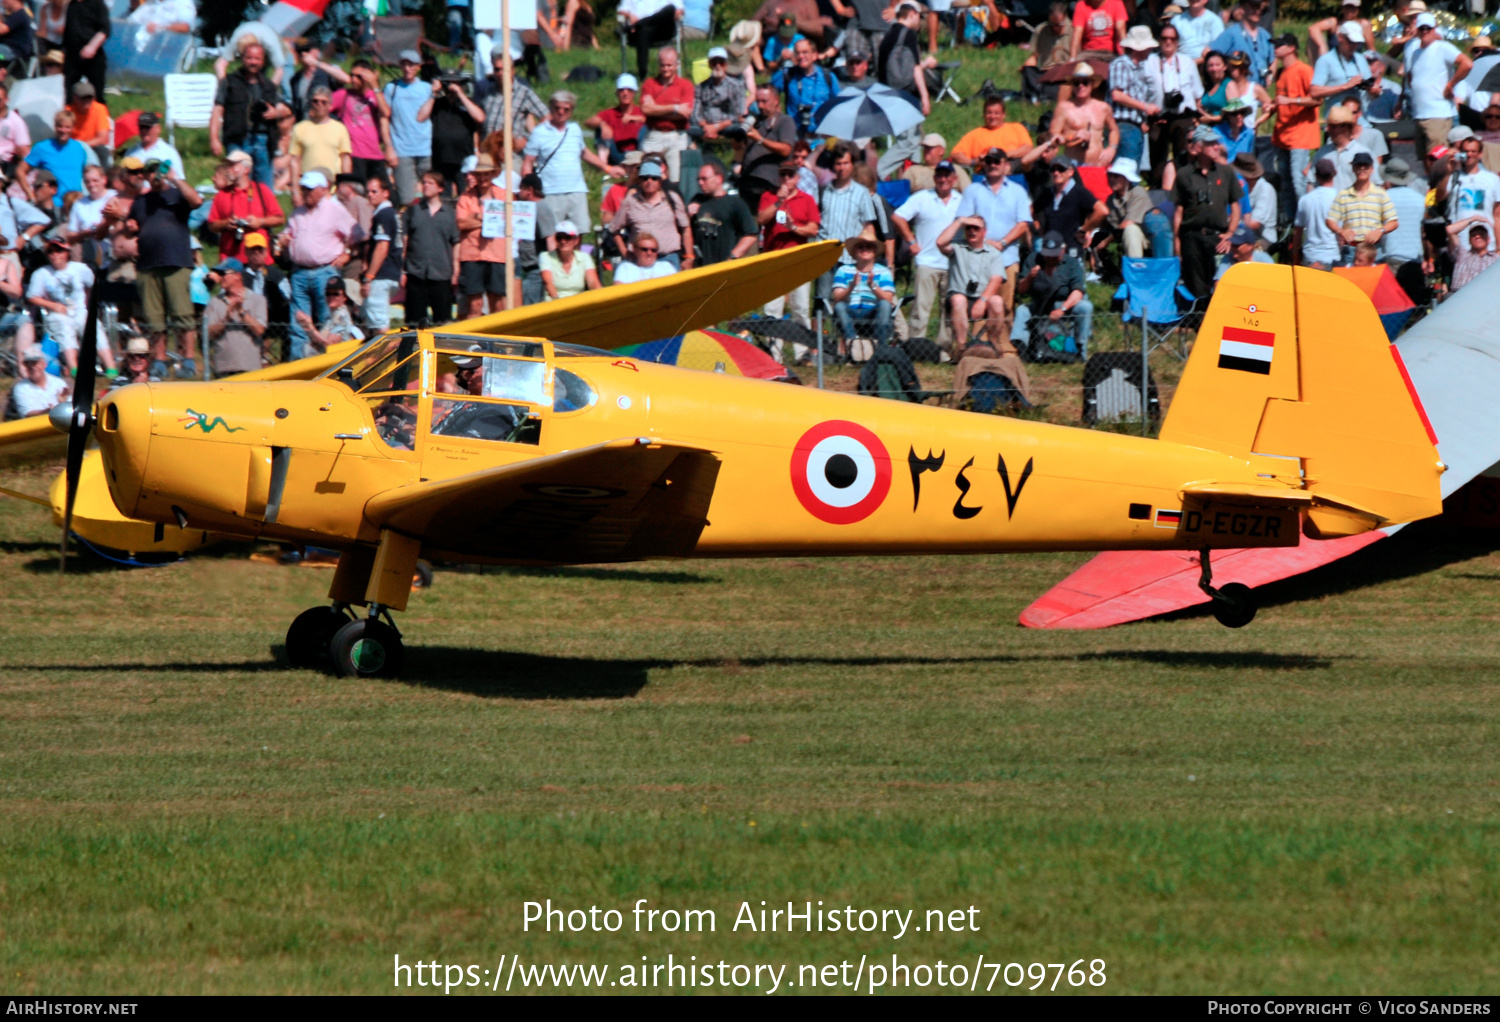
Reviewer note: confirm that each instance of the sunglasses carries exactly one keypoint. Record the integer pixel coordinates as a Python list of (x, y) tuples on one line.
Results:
[(645, 251), (649, 177), (566, 237), (1059, 170), (1169, 38)]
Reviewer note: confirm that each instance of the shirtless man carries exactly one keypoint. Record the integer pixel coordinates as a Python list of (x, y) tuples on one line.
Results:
[(1085, 124)]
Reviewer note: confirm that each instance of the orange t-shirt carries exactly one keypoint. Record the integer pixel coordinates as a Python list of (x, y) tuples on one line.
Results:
[(1296, 126), (1009, 137), (473, 246), (91, 124)]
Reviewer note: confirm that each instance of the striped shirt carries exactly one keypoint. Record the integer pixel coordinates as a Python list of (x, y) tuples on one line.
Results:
[(845, 211), (1140, 82), (523, 101), (1362, 213)]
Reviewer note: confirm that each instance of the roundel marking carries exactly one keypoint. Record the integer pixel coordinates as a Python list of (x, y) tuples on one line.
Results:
[(841, 472), (574, 492)]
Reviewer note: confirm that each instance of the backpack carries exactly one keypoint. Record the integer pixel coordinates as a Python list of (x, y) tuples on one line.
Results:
[(585, 74), (1051, 341), (890, 374), (921, 349), (992, 393), (1112, 388)]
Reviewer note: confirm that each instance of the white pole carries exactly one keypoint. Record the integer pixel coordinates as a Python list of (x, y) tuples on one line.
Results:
[(510, 229)]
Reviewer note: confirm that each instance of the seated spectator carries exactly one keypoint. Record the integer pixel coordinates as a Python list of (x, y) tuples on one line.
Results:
[(1242, 249), (37, 390), (780, 47), (719, 100), (997, 133), (620, 126), (863, 290), (17, 34), (1131, 215), (157, 16), (976, 277), (63, 156), (644, 262), (1473, 260), (1238, 136), (920, 175), (1068, 208), (234, 323), (1342, 148), (86, 226), (136, 365), (338, 326), (1365, 254), (1050, 47), (91, 122), (723, 226), (615, 196), (1263, 215), (15, 137), (566, 271), (60, 289), (1085, 125), (1362, 212), (921, 219), (662, 214), (649, 23), (1054, 280)]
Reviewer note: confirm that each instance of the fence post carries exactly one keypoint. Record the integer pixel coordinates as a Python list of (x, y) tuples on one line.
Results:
[(818, 340), (1145, 372)]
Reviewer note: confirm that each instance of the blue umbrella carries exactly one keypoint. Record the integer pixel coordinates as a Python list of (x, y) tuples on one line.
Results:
[(865, 113)]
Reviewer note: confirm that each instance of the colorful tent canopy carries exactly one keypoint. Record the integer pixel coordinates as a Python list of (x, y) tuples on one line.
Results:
[(710, 350), (1391, 301)]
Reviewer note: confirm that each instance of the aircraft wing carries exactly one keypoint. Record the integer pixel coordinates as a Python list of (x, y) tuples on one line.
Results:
[(623, 500), (652, 309)]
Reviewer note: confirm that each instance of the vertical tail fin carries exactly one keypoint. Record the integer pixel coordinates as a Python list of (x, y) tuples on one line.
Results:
[(1293, 372)]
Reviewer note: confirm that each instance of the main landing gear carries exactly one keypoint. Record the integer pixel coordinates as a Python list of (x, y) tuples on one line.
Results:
[(1233, 604), (336, 638)]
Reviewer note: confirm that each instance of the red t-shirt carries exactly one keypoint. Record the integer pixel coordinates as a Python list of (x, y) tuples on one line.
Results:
[(680, 91), (799, 209), (230, 204), (627, 133), (1099, 24)]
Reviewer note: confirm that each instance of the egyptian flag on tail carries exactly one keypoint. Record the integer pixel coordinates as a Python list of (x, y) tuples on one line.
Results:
[(1249, 351)]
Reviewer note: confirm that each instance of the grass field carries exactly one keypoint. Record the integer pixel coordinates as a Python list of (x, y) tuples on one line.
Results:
[(1311, 804)]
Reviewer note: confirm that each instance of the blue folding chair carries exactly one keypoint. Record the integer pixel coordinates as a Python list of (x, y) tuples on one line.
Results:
[(1150, 296)]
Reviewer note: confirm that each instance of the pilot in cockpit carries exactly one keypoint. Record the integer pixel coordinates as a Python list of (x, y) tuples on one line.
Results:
[(477, 420)]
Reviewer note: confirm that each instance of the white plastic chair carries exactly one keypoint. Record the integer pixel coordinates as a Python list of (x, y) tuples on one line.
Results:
[(190, 101)]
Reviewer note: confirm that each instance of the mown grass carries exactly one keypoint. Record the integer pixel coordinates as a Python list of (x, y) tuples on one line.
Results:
[(1309, 804)]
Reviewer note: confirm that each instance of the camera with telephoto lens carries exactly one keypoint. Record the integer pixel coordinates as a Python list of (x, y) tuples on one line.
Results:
[(738, 131), (1172, 102), (241, 225), (462, 81), (1366, 85)]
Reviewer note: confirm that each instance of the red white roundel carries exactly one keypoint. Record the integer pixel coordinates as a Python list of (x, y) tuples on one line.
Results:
[(840, 472)]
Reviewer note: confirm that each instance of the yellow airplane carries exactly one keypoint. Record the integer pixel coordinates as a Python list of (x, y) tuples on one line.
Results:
[(509, 439)]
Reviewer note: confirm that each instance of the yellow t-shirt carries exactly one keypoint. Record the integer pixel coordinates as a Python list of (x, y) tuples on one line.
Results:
[(320, 146), (1010, 136)]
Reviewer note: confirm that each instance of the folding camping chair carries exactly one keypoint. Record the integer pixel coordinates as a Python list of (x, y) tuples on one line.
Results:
[(190, 101), (393, 34), (949, 71), (1150, 295)]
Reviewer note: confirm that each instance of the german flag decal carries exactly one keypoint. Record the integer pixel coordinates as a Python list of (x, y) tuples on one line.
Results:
[(1168, 519), (1246, 350)]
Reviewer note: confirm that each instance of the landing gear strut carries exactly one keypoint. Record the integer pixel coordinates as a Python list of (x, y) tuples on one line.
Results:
[(1233, 604)]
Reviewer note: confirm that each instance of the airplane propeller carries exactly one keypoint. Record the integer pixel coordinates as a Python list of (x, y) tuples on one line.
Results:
[(77, 419)]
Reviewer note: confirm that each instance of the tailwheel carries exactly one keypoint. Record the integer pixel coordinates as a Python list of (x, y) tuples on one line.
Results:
[(1234, 605), (422, 577), (308, 638), (367, 648)]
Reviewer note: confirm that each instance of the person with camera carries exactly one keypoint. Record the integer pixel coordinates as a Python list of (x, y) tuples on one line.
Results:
[(456, 120), (1135, 91), (164, 262), (246, 110), (1343, 71), (723, 226), (770, 139), (976, 278), (996, 133), (1054, 280), (788, 217), (246, 205), (1181, 89), (718, 103), (805, 84), (234, 323)]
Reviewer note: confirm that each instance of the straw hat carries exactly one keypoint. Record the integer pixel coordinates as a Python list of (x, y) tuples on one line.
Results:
[(864, 237)]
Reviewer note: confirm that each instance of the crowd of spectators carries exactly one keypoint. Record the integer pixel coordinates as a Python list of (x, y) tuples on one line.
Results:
[(344, 191)]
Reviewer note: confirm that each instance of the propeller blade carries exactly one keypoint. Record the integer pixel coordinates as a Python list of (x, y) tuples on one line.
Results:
[(82, 420)]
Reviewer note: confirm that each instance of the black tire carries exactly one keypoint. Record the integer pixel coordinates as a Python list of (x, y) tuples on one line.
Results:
[(308, 638), (422, 578), (1234, 607), (366, 648)]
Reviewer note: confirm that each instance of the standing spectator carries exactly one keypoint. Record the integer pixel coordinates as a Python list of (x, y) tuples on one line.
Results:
[(643, 263), (1069, 209), (350, 193), (1054, 279), (86, 225), (974, 281), (744, 53), (246, 110), (649, 23), (245, 206), (902, 66), (723, 226), (1317, 32), (1085, 125), (1263, 215), (997, 133), (844, 207), (1098, 27), (91, 124), (63, 155), (1207, 197), (60, 289), (788, 217), (922, 176), (383, 267), (317, 240), (1404, 244), (456, 120), (654, 210), (409, 127), (1473, 190), (266, 279), (1313, 243), (526, 108), (667, 101), (719, 100), (1135, 91), (84, 33), (15, 137), (1050, 47), (1245, 34), (1470, 262), (483, 249), (555, 152), (1006, 210), (1296, 135), (1132, 217), (151, 146), (362, 110), (431, 233), (1343, 71), (528, 265), (1434, 67), (567, 271), (320, 142), (1246, 89), (1181, 89), (770, 142), (1199, 27), (921, 219), (863, 290), (1342, 148), (164, 263), (805, 84), (311, 74), (620, 126), (460, 27), (234, 323)]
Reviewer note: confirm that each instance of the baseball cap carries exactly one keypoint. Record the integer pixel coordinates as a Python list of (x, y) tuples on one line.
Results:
[(650, 168), (565, 227), (718, 53), (1425, 20), (1326, 168), (1351, 31), (238, 156), (57, 243), (335, 286), (462, 361), (1060, 160), (148, 120), (53, 57), (632, 158), (1052, 244), (789, 165), (1286, 39), (467, 167), (313, 179), (932, 138), (1243, 236), (1439, 152), (33, 355), (83, 87), (409, 57), (787, 21), (1460, 133), (1362, 160), (944, 168), (256, 239), (1203, 133), (627, 81), (226, 265)]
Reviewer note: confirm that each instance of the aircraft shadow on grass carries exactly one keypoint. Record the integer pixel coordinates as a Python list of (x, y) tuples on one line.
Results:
[(680, 578), (1216, 660)]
